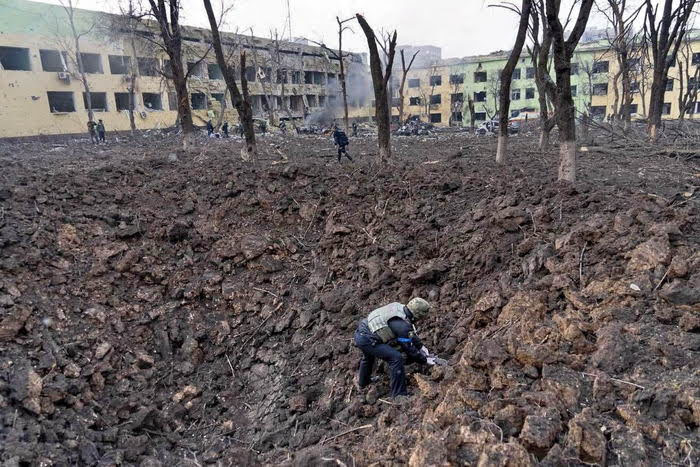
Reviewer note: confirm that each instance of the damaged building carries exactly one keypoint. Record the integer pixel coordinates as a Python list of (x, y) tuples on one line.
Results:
[(42, 92)]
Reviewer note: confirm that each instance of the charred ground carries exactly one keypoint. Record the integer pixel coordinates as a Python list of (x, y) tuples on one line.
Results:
[(185, 308)]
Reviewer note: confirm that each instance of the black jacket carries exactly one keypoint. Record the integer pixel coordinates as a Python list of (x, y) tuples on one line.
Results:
[(405, 338), (340, 138)]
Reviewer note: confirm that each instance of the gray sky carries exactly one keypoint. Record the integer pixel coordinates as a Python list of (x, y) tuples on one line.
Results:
[(460, 27)]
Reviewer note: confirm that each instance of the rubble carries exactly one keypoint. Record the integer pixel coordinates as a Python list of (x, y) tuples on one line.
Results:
[(153, 310)]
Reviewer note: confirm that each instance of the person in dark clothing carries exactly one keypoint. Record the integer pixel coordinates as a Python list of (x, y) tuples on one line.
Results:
[(210, 128), (340, 139), (224, 129), (354, 129), (392, 324), (101, 130)]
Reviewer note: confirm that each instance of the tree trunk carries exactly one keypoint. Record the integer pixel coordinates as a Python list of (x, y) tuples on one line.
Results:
[(239, 99), (343, 85), (506, 78), (544, 139), (656, 102), (132, 85), (567, 160), (401, 103), (83, 76), (472, 118), (380, 83), (184, 110)]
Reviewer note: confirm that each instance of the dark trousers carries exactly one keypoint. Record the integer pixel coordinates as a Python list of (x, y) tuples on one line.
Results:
[(387, 353), (342, 150), (102, 135)]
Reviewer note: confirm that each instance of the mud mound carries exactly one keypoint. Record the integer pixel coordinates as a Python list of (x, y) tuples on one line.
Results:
[(160, 307)]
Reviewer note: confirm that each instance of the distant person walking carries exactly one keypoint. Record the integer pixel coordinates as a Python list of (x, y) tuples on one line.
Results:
[(224, 129), (210, 128), (340, 139), (354, 129), (101, 130), (92, 129)]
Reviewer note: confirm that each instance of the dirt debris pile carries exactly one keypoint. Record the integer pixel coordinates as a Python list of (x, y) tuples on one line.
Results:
[(194, 310)]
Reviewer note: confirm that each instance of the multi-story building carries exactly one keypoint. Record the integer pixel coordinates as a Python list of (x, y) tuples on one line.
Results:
[(439, 91), (42, 93)]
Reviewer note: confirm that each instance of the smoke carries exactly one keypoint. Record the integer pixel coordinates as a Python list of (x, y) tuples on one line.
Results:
[(358, 88)]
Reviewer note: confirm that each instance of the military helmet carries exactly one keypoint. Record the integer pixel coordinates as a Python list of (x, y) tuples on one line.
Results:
[(418, 307)]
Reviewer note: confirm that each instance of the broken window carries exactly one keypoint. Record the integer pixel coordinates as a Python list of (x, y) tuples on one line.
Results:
[(60, 102), (456, 116), (457, 79), (669, 84), (218, 97), (281, 76), (147, 66), (479, 116), (634, 86), (515, 95), (265, 75), (92, 63), (123, 101), (574, 68), (308, 77), (666, 109), (312, 100), (152, 101), (691, 107), (296, 77), (414, 83), (696, 58), (15, 58), (457, 98), (530, 73), (516, 74), (574, 90), (172, 100), (480, 77), (53, 60), (632, 108), (98, 101), (600, 89), (214, 71), (435, 99), (598, 112), (530, 93), (332, 80), (250, 74), (295, 103), (319, 78), (480, 96), (435, 118), (199, 101), (195, 69), (414, 101), (600, 67), (321, 101), (119, 64)]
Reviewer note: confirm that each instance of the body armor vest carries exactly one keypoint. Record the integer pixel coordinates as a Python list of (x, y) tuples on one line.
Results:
[(378, 320)]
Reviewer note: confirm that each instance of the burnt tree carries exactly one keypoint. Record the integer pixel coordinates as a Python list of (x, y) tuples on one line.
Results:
[(506, 78), (563, 50), (664, 37), (380, 82), (239, 98), (404, 73), (167, 14), (539, 56)]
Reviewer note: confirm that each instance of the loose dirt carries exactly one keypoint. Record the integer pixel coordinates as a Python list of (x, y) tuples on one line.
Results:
[(163, 307)]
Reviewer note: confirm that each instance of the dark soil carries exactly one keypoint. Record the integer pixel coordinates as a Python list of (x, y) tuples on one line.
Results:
[(163, 307)]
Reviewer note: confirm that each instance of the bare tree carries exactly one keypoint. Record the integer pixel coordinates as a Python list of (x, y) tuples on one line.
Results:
[(239, 98), (687, 80), (624, 46), (563, 50), (664, 37), (540, 58), (167, 14), (74, 53), (404, 73), (380, 81), (472, 114), (507, 76), (427, 93), (125, 26)]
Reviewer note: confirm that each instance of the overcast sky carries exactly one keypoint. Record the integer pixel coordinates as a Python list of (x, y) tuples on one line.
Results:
[(460, 27)]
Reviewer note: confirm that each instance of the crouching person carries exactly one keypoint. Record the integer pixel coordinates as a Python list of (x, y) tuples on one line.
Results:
[(384, 328)]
